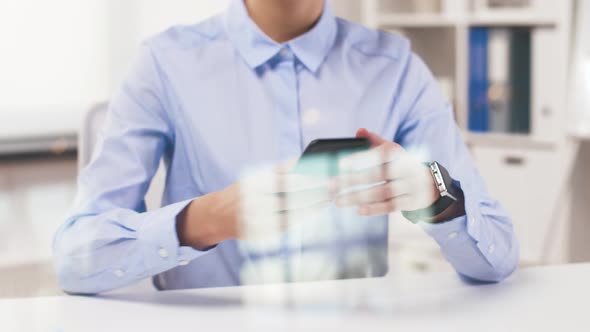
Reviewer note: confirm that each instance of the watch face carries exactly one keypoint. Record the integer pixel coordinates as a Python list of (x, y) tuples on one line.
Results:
[(443, 180), (445, 186), (438, 177)]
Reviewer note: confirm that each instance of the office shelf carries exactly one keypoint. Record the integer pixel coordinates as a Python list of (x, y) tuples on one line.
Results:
[(506, 140), (511, 164), (438, 20), (415, 20), (39, 129), (512, 20), (39, 145)]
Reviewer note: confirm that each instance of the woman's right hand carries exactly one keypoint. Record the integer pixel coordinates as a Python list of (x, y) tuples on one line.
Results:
[(260, 205)]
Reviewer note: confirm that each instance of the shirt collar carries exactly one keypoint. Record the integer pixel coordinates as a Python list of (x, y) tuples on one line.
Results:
[(256, 48)]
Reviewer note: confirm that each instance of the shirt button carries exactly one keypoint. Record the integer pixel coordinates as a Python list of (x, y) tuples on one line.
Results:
[(311, 117), (183, 263), (452, 235), (284, 52), (119, 273), (491, 248), (163, 253)]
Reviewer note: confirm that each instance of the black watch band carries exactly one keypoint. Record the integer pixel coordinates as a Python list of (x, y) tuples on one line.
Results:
[(448, 195)]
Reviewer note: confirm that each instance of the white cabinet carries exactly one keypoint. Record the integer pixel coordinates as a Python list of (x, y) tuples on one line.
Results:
[(548, 102), (529, 184), (411, 250)]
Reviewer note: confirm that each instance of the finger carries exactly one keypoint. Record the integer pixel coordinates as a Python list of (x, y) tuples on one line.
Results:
[(255, 204), (265, 182), (375, 139), (286, 167), (386, 207), (366, 177), (368, 159), (281, 219), (290, 183), (362, 133), (375, 194), (294, 216), (303, 200), (394, 171), (271, 225)]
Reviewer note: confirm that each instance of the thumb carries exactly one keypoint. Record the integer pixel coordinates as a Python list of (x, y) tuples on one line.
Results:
[(375, 139), (286, 167)]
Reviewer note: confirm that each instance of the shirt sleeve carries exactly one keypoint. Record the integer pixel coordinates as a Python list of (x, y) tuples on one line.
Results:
[(481, 245), (109, 240)]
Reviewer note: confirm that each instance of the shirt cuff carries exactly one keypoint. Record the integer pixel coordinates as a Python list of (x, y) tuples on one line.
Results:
[(465, 228), (163, 250)]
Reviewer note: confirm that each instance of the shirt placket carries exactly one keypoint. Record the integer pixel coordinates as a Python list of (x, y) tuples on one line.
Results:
[(290, 142), (287, 107)]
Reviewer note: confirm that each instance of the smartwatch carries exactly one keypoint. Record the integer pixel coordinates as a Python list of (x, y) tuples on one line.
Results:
[(448, 195)]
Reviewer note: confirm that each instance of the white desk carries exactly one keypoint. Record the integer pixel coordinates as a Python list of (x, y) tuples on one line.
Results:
[(538, 299)]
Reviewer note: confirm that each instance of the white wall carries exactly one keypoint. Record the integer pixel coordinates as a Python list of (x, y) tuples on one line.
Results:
[(52, 64), (59, 57), (131, 21), (348, 9), (580, 100), (52, 52)]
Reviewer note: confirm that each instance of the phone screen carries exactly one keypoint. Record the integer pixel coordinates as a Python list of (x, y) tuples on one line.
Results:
[(337, 146), (322, 156)]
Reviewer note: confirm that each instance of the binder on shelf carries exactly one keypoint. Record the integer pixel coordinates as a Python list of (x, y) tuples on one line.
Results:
[(478, 80), (500, 80), (520, 71), (499, 92)]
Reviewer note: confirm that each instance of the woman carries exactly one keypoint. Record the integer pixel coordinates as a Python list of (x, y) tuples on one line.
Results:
[(256, 85)]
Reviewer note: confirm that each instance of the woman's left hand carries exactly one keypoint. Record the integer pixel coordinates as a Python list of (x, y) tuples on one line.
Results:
[(397, 181)]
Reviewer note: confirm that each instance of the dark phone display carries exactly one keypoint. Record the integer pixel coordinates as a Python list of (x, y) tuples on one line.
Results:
[(321, 157), (337, 146)]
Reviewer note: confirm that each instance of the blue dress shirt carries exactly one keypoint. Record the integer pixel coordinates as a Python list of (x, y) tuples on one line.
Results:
[(214, 98)]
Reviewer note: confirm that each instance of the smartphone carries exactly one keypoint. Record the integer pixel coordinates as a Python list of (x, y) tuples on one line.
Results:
[(336, 146), (322, 156)]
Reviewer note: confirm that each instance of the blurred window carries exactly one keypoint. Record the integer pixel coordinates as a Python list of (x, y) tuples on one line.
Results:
[(59, 57)]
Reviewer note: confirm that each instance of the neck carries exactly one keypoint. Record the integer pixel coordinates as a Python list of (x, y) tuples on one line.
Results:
[(284, 20)]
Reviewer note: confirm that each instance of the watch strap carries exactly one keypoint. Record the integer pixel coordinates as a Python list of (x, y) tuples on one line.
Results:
[(444, 202)]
